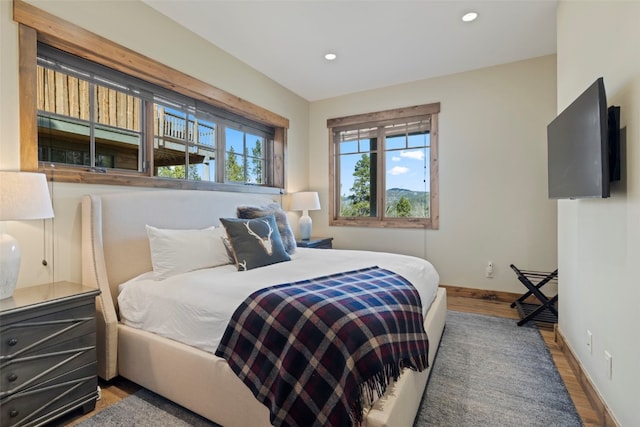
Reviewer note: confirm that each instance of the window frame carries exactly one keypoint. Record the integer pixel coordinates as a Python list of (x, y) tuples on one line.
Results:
[(35, 26), (377, 119)]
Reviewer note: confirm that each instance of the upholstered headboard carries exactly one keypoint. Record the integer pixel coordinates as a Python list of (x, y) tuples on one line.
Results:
[(115, 247)]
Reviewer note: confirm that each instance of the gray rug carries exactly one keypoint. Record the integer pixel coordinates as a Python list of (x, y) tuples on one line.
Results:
[(488, 372), (491, 372)]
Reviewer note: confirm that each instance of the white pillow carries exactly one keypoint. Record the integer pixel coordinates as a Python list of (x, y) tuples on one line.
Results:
[(179, 251)]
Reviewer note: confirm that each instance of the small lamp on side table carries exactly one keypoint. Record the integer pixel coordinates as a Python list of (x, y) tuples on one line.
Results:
[(305, 201), (23, 196)]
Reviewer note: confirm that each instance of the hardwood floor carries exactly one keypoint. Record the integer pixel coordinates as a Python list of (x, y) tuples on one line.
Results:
[(118, 389)]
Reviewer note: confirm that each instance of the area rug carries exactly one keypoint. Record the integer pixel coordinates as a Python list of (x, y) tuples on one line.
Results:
[(488, 372), (491, 372)]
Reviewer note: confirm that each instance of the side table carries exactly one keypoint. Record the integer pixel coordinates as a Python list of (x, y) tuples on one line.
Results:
[(316, 243)]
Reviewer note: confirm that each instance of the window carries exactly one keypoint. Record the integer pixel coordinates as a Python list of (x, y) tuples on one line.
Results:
[(92, 116), (101, 113), (385, 168)]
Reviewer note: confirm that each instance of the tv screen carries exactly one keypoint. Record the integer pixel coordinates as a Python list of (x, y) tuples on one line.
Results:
[(578, 147)]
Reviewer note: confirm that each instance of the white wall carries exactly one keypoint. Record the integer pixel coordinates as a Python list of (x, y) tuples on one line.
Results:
[(599, 240), (142, 29), (492, 163)]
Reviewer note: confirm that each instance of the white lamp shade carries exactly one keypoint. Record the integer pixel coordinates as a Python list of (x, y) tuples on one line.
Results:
[(305, 201), (24, 195)]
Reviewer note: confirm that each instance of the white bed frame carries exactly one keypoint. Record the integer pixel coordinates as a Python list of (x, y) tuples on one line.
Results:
[(115, 248)]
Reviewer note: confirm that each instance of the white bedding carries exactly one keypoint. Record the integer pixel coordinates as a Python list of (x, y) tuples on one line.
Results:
[(194, 308)]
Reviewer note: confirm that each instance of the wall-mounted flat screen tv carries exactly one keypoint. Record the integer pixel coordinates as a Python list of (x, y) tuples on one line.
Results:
[(583, 147)]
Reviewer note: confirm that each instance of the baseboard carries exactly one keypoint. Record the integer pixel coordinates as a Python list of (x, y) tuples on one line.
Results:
[(604, 415), (486, 294)]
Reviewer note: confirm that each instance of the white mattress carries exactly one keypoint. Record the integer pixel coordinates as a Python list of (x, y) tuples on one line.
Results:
[(194, 308)]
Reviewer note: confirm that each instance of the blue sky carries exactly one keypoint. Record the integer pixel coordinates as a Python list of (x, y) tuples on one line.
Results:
[(407, 164)]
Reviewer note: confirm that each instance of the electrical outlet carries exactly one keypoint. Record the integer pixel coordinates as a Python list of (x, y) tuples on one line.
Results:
[(589, 341), (608, 359), (488, 272)]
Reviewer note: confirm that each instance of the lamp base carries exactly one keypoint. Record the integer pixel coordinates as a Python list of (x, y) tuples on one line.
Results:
[(305, 226), (9, 265)]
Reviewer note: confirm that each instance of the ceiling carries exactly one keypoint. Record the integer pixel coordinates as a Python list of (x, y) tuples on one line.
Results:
[(378, 43)]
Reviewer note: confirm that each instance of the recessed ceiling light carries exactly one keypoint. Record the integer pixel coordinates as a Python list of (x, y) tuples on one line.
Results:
[(330, 56), (469, 16)]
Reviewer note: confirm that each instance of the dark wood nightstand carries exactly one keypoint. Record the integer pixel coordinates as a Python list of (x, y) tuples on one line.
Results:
[(316, 243), (47, 353)]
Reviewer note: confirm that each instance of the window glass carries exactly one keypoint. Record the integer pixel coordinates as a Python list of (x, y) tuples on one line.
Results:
[(234, 158), (255, 158), (204, 150), (184, 143), (357, 161), (245, 157), (77, 117), (407, 172)]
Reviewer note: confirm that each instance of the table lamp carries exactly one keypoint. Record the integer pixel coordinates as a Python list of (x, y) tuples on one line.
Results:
[(305, 201), (23, 196)]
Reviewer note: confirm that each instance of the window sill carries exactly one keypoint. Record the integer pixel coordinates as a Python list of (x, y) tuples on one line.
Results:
[(424, 223), (84, 176)]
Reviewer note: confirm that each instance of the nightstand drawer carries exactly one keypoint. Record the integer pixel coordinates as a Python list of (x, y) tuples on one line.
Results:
[(23, 373), (316, 243), (34, 405), (24, 337)]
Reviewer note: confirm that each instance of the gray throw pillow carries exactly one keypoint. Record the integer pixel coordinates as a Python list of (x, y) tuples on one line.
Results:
[(286, 233), (255, 242)]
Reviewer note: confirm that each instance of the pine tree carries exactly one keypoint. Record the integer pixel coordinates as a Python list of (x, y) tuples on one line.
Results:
[(233, 170), (256, 170), (403, 207), (177, 172), (361, 191)]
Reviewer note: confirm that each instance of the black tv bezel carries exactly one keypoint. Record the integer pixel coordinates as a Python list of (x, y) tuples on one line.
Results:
[(608, 130)]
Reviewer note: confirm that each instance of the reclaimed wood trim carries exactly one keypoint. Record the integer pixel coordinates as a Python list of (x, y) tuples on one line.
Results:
[(485, 294), (434, 192), (82, 176), (27, 91), (397, 113), (278, 158), (333, 194), (375, 222)]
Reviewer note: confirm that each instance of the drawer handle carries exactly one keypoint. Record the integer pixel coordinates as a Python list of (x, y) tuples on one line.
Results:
[(14, 413), (13, 341), (12, 377)]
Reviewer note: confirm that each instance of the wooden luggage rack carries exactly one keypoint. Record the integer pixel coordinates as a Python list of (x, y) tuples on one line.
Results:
[(545, 309)]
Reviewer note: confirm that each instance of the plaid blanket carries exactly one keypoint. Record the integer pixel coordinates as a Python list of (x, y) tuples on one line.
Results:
[(315, 352)]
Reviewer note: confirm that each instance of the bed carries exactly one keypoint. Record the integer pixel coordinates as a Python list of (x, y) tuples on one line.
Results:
[(115, 250)]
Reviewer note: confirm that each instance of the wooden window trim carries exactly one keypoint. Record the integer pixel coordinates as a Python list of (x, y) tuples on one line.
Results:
[(37, 25), (433, 222)]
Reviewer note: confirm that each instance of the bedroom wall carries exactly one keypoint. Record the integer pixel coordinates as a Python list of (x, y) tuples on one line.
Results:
[(142, 29), (493, 184), (599, 240)]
